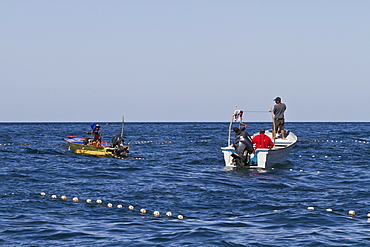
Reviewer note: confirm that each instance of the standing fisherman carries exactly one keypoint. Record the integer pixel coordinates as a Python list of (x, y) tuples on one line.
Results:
[(279, 119), (97, 134)]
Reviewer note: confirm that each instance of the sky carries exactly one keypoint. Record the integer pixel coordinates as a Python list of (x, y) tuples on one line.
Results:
[(184, 61)]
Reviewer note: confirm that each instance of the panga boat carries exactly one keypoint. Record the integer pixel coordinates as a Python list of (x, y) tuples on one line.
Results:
[(262, 158), (81, 145)]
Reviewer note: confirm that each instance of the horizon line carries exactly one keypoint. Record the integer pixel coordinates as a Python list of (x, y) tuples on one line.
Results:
[(342, 121)]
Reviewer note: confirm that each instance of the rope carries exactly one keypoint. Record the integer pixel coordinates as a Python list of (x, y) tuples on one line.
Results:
[(257, 111)]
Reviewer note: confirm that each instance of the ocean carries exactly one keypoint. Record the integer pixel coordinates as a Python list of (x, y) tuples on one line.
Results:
[(179, 168)]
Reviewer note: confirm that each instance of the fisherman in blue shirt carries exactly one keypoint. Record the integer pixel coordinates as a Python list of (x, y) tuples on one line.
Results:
[(97, 135)]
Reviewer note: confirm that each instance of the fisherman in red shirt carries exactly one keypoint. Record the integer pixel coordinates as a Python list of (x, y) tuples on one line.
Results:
[(262, 141)]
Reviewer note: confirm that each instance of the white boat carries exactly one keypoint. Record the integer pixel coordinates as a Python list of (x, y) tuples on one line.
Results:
[(262, 158)]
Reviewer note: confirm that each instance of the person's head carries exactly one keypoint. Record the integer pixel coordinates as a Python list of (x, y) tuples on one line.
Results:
[(262, 131), (277, 99), (98, 126), (236, 129)]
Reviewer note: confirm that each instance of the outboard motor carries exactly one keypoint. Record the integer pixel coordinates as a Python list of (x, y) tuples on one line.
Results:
[(243, 147), (119, 148)]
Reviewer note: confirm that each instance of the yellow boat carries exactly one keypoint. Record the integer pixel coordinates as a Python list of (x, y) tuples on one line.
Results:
[(81, 145)]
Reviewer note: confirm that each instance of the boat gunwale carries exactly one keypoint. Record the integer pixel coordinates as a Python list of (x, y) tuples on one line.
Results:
[(108, 145)]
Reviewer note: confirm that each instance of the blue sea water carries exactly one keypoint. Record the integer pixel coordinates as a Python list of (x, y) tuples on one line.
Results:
[(179, 168)]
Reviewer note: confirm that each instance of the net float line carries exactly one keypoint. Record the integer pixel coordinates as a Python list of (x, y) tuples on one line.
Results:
[(350, 213), (316, 156), (191, 141), (336, 141), (142, 211), (161, 143)]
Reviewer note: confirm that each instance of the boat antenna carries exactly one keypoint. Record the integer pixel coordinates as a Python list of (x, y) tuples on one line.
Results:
[(123, 125)]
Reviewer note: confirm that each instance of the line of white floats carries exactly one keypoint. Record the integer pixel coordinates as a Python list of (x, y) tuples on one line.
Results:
[(159, 143), (350, 212), (128, 143), (195, 141), (341, 141), (110, 205), (314, 156)]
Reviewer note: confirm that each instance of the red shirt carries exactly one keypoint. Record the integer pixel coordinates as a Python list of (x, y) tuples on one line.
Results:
[(262, 141)]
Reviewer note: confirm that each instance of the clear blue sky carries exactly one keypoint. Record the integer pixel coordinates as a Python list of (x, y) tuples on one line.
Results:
[(172, 60)]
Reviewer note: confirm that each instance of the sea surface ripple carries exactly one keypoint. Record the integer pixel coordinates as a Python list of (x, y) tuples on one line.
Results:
[(179, 168)]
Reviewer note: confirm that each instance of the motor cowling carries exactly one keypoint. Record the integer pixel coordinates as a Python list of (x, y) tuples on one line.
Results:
[(117, 140), (243, 147), (118, 145), (246, 141)]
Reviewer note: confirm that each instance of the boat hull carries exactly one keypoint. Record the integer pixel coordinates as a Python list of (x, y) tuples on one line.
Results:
[(263, 158), (77, 146)]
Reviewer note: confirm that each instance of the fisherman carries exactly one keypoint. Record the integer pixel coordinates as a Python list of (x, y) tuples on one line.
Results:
[(262, 140), (97, 135), (279, 119), (242, 142)]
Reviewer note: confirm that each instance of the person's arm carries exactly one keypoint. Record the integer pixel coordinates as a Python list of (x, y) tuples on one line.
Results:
[(245, 125), (274, 110), (254, 140), (270, 143)]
